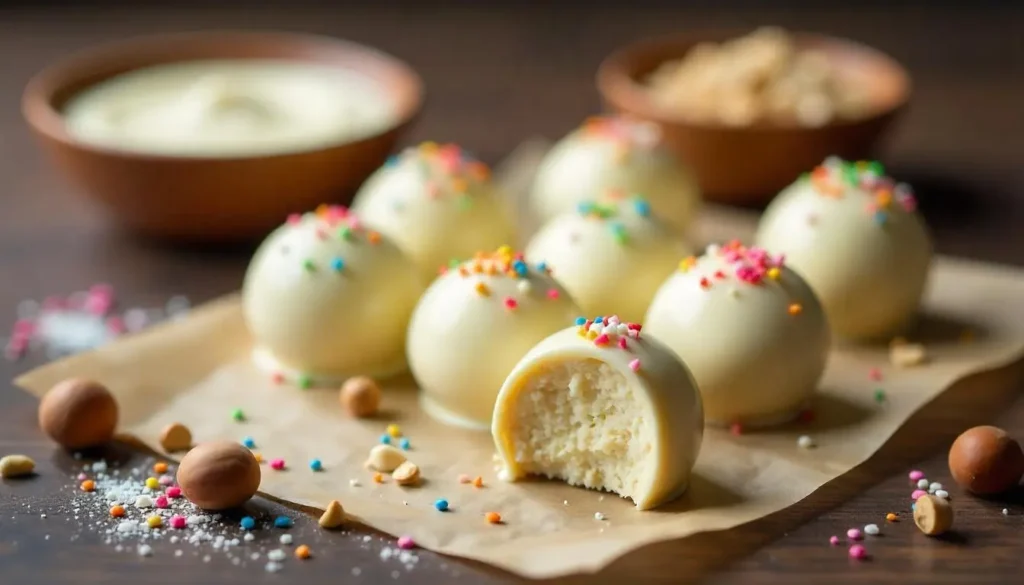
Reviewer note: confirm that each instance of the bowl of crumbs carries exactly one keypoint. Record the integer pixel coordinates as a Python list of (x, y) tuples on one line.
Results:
[(217, 136), (748, 112)]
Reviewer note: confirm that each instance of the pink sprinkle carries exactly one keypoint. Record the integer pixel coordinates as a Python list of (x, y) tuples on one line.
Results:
[(24, 327), (178, 522), (294, 219), (321, 234), (601, 339), (917, 494), (53, 303), (833, 540), (634, 365), (553, 293), (82, 477), (166, 480), (463, 478), (854, 534), (916, 475), (406, 542), (174, 492), (510, 303), (277, 378), (277, 464), (909, 203), (858, 552), (116, 325), (161, 502), (622, 342), (875, 374)]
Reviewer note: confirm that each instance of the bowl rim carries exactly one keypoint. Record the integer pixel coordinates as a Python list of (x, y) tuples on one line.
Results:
[(622, 90), (39, 112)]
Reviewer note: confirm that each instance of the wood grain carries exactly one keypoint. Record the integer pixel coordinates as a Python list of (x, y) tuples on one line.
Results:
[(498, 73)]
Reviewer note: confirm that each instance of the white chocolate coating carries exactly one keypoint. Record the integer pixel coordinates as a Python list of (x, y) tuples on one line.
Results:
[(862, 248), (611, 256), (437, 204), (614, 154), (326, 299), (583, 409), (755, 339), (471, 327)]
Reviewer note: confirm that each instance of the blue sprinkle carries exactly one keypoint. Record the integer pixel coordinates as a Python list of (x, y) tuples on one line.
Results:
[(404, 443), (441, 505), (248, 523), (543, 267), (283, 522), (337, 264), (248, 443), (881, 217), (581, 320), (385, 439), (316, 465), (391, 161), (642, 207), (598, 319), (584, 207), (520, 267)]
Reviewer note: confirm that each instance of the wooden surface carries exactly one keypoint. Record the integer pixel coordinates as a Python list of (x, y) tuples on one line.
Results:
[(498, 73)]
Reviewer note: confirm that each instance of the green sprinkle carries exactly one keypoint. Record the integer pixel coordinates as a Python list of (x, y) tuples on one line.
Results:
[(454, 263), (876, 168), (879, 396), (309, 265), (465, 202), (305, 381), (619, 233), (851, 175), (237, 415), (804, 177), (345, 233)]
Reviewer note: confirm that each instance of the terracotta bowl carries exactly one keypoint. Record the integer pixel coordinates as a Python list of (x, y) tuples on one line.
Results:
[(749, 165), (214, 199)]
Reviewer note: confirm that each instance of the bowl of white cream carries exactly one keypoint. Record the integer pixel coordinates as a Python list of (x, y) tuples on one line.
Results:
[(216, 136)]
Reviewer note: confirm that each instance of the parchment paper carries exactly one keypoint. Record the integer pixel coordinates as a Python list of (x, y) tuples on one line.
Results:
[(197, 370)]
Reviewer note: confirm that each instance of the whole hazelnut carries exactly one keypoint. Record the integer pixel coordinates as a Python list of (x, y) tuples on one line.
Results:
[(219, 475), (78, 414), (360, 396), (986, 461)]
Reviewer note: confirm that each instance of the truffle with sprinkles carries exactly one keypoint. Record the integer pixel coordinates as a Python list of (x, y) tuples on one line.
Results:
[(611, 152), (326, 298), (601, 405), (855, 235), (605, 243), (472, 325), (436, 202), (750, 329)]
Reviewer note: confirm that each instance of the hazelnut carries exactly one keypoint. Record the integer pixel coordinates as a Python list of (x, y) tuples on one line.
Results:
[(78, 414), (360, 396), (176, 437), (219, 475), (986, 461)]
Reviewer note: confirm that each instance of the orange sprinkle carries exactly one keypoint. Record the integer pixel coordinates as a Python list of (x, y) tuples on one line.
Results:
[(493, 517), (459, 185), (795, 309), (378, 478), (372, 237), (482, 289), (117, 511), (160, 467), (88, 485), (478, 481), (302, 552), (463, 271), (890, 517)]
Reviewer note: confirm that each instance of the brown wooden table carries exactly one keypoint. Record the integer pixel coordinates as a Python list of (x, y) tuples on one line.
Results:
[(498, 73)]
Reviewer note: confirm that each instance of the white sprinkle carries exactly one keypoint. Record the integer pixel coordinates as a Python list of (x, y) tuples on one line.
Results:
[(524, 286), (395, 574), (565, 502), (249, 537), (174, 540), (178, 553), (145, 550), (356, 571), (42, 515), (805, 442), (354, 483), (272, 567), (286, 539), (923, 483), (871, 529), (128, 526), (1006, 512), (942, 494), (277, 555), (143, 501), (935, 486), (206, 558), (599, 516), (255, 556)]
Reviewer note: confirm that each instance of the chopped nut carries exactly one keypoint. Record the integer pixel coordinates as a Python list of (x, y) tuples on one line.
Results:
[(406, 474), (385, 458), (176, 437), (906, 355), (333, 516), (933, 515), (16, 466)]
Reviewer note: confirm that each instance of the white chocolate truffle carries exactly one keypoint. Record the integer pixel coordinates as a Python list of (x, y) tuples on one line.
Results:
[(749, 329), (601, 406), (471, 327), (610, 255), (612, 153), (326, 299), (856, 238), (437, 204)]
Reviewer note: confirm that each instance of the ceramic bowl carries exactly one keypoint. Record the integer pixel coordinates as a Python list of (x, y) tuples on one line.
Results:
[(214, 199), (748, 165)]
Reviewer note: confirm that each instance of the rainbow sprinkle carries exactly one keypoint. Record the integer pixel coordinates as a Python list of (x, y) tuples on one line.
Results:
[(752, 266), (325, 220), (610, 209), (448, 171), (626, 135), (610, 332), (503, 263), (834, 176)]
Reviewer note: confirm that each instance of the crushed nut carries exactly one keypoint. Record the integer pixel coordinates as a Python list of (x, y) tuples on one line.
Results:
[(406, 474), (385, 458), (176, 437)]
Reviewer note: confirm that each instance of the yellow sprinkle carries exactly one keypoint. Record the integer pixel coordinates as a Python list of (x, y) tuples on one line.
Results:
[(591, 334), (687, 263), (428, 147), (258, 457), (774, 273), (394, 430), (378, 478), (459, 185), (505, 250), (152, 483), (321, 210), (795, 309), (155, 521), (482, 289)]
